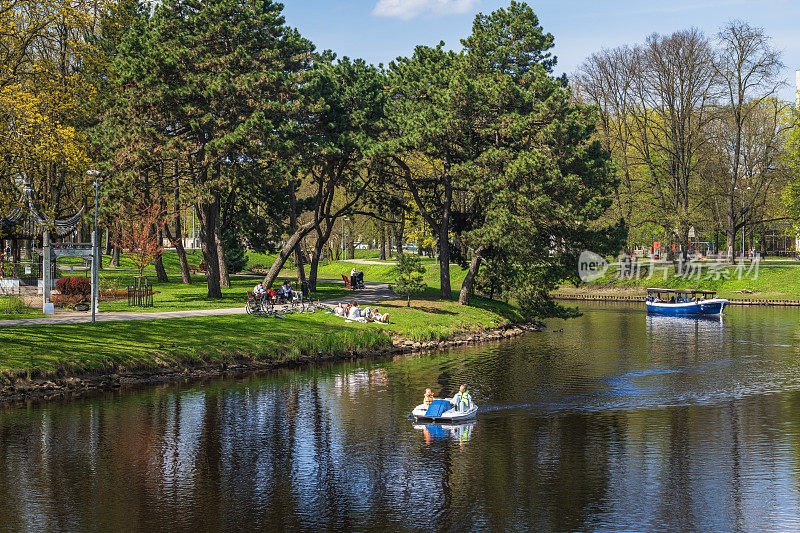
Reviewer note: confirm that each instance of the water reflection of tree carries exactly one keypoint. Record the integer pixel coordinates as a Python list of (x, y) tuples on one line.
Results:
[(293, 451)]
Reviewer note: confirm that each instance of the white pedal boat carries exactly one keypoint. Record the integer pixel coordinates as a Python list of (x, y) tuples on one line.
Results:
[(424, 412)]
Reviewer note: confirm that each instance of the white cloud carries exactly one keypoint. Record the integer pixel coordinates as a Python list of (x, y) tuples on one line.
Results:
[(408, 9)]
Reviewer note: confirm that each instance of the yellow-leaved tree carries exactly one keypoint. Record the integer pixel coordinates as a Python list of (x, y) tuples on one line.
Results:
[(50, 69)]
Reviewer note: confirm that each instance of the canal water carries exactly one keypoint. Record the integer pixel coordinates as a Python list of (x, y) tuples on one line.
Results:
[(619, 422)]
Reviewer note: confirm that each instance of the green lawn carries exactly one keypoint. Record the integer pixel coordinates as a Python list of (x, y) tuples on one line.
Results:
[(771, 282), (52, 349), (11, 307), (385, 273), (175, 296)]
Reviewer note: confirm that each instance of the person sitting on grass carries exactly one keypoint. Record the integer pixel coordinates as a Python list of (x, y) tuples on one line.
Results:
[(258, 290), (378, 317), (354, 312), (339, 310)]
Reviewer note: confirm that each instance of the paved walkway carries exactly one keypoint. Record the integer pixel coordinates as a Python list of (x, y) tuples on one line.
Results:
[(370, 262), (372, 293), (387, 262)]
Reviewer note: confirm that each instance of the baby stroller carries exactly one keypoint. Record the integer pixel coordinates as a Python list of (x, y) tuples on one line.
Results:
[(358, 280)]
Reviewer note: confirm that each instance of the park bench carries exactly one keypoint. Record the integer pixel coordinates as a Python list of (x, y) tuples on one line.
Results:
[(195, 269), (348, 284)]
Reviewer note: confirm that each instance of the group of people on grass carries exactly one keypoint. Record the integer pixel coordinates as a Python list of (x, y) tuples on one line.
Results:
[(285, 291), (351, 311), (461, 401)]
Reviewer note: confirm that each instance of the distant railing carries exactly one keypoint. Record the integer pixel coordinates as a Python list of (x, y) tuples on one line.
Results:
[(732, 301), (27, 272)]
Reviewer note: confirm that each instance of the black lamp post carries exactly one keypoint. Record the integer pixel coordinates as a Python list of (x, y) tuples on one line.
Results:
[(96, 175)]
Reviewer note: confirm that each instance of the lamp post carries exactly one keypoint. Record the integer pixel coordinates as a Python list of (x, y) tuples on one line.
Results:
[(95, 249)]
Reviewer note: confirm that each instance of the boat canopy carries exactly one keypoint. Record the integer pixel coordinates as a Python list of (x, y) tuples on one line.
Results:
[(679, 291)]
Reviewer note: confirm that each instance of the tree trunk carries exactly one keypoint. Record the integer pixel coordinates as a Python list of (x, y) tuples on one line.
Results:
[(109, 244), (314, 266), (444, 242), (399, 230), (468, 286), (224, 279), (322, 240), (15, 258), (285, 252), (177, 241), (208, 213), (382, 243), (114, 257), (180, 251), (730, 240), (161, 273), (300, 262), (298, 255)]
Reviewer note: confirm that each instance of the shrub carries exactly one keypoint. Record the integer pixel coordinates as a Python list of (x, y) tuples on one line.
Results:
[(74, 286), (63, 300), (14, 306), (235, 258), (408, 276)]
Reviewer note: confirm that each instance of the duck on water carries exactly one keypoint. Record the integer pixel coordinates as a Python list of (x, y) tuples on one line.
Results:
[(684, 302)]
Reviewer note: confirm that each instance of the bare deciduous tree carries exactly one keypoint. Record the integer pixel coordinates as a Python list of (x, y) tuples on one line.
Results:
[(657, 99), (748, 69)]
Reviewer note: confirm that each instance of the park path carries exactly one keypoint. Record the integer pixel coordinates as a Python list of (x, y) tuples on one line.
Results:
[(371, 293), (369, 262)]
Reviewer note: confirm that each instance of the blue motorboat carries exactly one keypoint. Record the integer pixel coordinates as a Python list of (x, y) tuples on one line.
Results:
[(684, 302)]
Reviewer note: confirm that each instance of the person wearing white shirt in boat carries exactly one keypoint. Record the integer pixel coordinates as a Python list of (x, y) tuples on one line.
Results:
[(462, 400)]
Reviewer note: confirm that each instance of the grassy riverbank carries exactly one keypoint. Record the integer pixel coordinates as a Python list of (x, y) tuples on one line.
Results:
[(68, 349), (770, 282), (176, 296)]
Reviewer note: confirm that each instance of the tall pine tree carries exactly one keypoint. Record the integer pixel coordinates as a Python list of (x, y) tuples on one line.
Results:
[(540, 180), (213, 84)]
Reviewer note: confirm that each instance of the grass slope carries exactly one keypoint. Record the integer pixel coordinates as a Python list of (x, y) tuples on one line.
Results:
[(56, 349), (771, 282)]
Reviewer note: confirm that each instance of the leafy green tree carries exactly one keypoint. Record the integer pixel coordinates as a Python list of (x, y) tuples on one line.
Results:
[(408, 278), (431, 116), (212, 84), (340, 149), (540, 179), (235, 257)]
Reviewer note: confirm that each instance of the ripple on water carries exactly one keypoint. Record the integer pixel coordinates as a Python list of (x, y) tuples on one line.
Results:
[(620, 422)]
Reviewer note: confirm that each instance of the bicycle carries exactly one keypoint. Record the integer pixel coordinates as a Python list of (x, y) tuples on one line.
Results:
[(262, 305)]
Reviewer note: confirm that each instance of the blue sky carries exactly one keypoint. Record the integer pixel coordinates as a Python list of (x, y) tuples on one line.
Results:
[(381, 30)]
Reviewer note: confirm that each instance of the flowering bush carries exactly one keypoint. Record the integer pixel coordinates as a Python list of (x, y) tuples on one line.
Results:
[(63, 300), (74, 286)]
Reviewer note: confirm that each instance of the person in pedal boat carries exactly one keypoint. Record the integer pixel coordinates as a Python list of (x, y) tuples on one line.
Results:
[(428, 398), (462, 400)]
